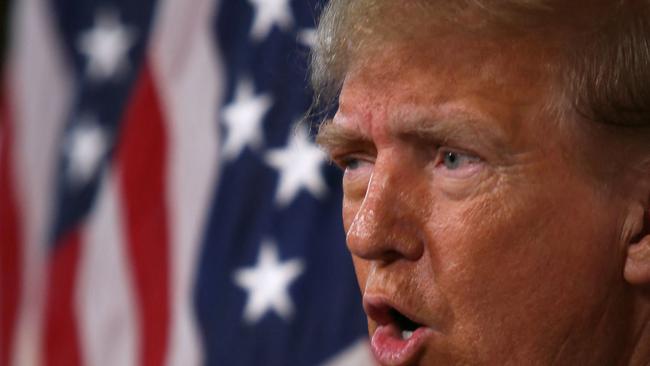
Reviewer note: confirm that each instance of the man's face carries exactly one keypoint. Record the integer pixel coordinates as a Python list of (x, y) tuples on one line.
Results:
[(476, 236)]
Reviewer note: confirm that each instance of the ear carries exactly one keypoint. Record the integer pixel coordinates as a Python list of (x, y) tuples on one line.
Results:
[(637, 263)]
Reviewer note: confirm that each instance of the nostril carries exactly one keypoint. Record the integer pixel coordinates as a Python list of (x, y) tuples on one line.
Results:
[(390, 256)]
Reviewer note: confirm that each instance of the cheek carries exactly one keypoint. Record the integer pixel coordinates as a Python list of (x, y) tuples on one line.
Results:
[(538, 256), (519, 248)]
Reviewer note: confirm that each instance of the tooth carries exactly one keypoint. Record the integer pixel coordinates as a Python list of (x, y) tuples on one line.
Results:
[(406, 334)]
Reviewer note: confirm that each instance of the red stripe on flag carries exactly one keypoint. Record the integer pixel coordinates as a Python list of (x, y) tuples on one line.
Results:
[(11, 251), (142, 162), (61, 331)]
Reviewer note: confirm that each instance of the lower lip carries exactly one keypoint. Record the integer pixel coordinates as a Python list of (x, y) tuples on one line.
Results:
[(390, 349)]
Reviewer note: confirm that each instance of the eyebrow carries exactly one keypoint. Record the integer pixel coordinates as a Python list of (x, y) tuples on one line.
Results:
[(461, 131), (458, 127), (332, 137), (457, 131)]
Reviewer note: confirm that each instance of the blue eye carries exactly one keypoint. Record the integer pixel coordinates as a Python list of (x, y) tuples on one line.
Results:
[(453, 160), (347, 163), (352, 163)]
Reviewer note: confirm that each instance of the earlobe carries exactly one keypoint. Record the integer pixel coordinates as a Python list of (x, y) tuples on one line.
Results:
[(637, 263)]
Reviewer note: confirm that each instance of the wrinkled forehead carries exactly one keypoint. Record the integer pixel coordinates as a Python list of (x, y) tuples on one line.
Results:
[(354, 33), (450, 78), (514, 71), (496, 58)]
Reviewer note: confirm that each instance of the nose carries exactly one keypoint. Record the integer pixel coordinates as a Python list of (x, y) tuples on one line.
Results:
[(390, 222)]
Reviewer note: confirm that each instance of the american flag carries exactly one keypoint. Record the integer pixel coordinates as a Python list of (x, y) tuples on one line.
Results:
[(160, 203)]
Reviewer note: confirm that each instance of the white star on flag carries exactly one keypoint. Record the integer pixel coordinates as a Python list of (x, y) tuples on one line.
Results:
[(106, 46), (307, 37), (243, 118), (299, 165), (267, 284), (86, 146), (267, 13)]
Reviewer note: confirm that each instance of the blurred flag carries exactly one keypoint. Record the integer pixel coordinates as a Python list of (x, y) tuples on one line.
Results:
[(159, 203)]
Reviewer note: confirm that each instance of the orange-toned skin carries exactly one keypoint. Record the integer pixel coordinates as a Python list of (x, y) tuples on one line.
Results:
[(516, 256)]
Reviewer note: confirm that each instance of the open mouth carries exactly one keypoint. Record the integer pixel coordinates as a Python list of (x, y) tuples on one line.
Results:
[(405, 325), (398, 338)]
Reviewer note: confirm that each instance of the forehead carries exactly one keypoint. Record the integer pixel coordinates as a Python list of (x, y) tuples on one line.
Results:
[(446, 75)]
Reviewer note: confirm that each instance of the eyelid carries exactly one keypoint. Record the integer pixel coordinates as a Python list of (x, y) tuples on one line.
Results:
[(342, 160)]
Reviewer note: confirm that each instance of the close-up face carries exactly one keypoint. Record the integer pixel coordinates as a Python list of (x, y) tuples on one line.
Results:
[(477, 235)]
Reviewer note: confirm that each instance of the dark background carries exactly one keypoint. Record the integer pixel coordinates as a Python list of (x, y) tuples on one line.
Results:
[(4, 12)]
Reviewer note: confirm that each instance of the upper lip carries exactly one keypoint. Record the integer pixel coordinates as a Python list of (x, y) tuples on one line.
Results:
[(381, 310)]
